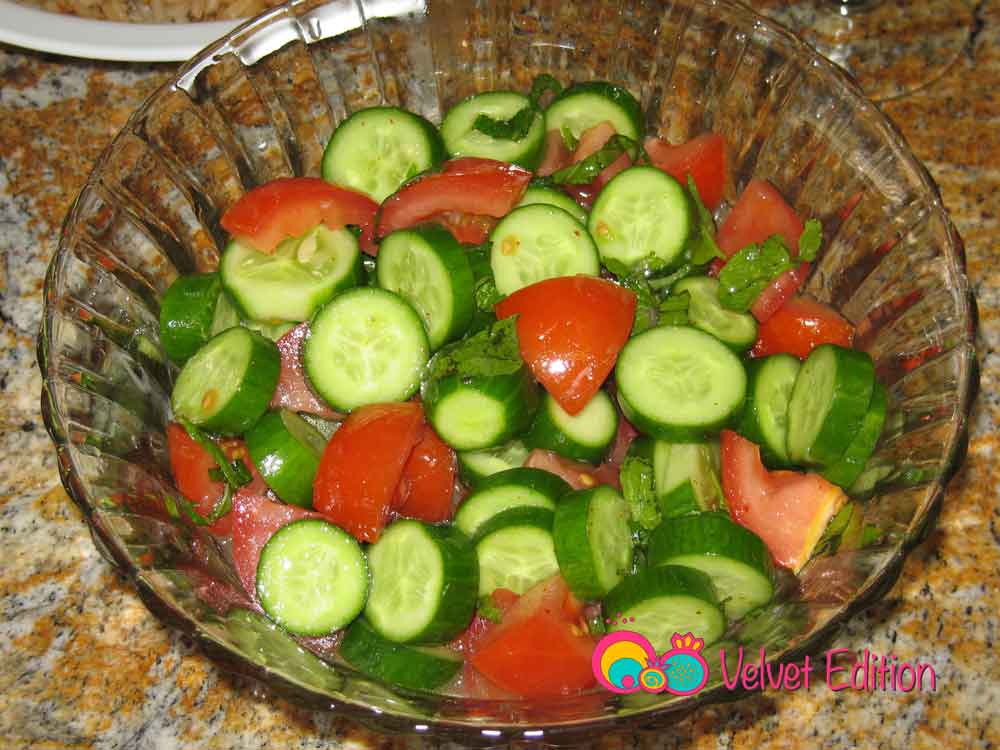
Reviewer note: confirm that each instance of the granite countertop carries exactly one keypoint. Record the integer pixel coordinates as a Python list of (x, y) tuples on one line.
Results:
[(83, 664)]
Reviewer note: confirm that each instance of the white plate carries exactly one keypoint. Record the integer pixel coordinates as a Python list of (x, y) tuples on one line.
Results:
[(106, 40)]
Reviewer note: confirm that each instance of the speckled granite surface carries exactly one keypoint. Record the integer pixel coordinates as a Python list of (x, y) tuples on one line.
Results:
[(82, 663)]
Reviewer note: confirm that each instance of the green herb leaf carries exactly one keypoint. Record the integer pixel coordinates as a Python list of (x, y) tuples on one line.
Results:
[(514, 129), (175, 506), (810, 240), (570, 141), (636, 478), (234, 477), (492, 351), (540, 85), (750, 272), (488, 609), (486, 294), (587, 169), (702, 247), (674, 309)]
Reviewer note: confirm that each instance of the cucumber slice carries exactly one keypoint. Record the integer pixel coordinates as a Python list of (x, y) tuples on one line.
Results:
[(735, 558), (538, 242), (829, 402), (660, 601), (413, 667), (552, 197), (513, 488), (475, 466), (187, 312), (593, 540), (515, 550), (226, 314), (846, 470), (642, 214), (226, 386), (735, 329), (294, 281), (425, 581), (474, 413), (312, 577), (765, 416), (584, 105), (686, 477), (376, 150), (586, 436), (429, 269), (462, 139), (678, 383), (286, 451), (367, 346)]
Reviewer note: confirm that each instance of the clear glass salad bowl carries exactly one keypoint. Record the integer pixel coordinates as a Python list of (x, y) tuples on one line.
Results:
[(262, 103)]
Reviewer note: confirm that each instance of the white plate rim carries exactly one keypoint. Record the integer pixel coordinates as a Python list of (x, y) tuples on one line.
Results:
[(43, 31)]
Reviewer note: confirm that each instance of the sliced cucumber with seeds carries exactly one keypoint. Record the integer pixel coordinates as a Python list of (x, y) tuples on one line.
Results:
[(413, 667), (515, 550), (829, 402), (686, 477), (586, 436), (770, 381), (312, 577), (294, 281), (735, 558), (584, 105), (476, 466), (376, 150), (552, 197), (286, 451), (473, 413), (429, 269), (187, 312), (367, 346), (226, 386), (660, 601), (678, 383), (736, 329), (846, 470), (539, 242), (593, 541), (513, 488), (425, 582), (461, 138), (642, 213)]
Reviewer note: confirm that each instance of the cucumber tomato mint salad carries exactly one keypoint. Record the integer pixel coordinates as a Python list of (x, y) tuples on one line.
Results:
[(485, 390)]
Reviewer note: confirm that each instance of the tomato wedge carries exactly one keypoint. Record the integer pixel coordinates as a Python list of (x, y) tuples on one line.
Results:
[(758, 213), (293, 391), (469, 229), (779, 291), (799, 326), (540, 649), (362, 465), (255, 519), (703, 157), (577, 474), (190, 464), (787, 509), (427, 486), (556, 155), (467, 185), (571, 329), (290, 206)]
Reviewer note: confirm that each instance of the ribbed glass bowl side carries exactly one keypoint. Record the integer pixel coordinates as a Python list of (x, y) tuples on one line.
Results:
[(262, 103)]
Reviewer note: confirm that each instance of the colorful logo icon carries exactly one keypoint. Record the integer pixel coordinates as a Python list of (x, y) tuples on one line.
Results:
[(625, 662)]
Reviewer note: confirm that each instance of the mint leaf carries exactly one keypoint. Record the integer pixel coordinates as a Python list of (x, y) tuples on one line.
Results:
[(234, 477), (673, 310), (177, 505), (570, 141), (636, 479), (540, 86), (513, 129), (486, 294), (810, 240), (750, 272), (492, 351), (702, 247), (587, 169)]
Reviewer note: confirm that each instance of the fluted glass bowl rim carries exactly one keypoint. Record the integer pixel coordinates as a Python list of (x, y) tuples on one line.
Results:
[(876, 587)]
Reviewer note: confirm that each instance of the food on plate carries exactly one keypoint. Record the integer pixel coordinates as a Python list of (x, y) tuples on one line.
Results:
[(477, 382)]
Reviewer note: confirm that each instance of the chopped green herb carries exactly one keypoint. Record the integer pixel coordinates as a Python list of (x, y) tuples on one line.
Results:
[(514, 129), (176, 505), (750, 272), (587, 169), (235, 474), (674, 309), (486, 294), (488, 609), (570, 141), (637, 488), (810, 240), (540, 86), (492, 351), (702, 247)]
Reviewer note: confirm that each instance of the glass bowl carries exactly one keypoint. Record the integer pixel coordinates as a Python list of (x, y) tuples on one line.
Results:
[(262, 103)]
